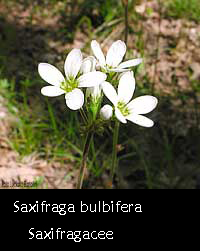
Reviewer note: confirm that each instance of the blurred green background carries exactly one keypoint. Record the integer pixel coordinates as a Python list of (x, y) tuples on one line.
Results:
[(165, 33)]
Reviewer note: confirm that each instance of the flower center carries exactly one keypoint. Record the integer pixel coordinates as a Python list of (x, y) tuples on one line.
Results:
[(123, 108), (69, 84), (106, 69)]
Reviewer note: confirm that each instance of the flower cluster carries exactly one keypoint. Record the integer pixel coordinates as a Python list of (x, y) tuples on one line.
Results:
[(81, 73)]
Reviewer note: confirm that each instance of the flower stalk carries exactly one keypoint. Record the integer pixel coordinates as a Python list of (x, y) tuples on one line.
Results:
[(83, 115), (114, 150), (84, 159)]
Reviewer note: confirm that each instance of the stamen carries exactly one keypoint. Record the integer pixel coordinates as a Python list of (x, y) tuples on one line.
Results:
[(69, 84), (123, 108)]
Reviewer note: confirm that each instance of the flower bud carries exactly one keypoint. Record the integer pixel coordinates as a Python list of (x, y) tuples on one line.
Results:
[(94, 92), (88, 65), (106, 112)]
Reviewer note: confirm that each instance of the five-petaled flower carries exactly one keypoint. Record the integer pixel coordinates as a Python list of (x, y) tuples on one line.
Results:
[(114, 57), (126, 109), (74, 80)]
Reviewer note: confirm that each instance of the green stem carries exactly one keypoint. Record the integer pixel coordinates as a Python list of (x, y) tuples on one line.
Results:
[(114, 152), (83, 115), (93, 151), (84, 159)]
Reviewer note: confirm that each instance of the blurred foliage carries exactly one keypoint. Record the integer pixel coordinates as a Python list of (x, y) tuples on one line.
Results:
[(93, 13), (189, 9)]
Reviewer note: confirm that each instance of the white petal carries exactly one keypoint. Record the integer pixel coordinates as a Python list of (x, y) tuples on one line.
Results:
[(75, 99), (143, 104), (119, 70), (50, 74), (116, 53), (119, 116), (98, 53), (140, 120), (126, 87), (110, 92), (91, 79), (106, 112), (88, 65), (73, 63), (130, 63), (51, 91)]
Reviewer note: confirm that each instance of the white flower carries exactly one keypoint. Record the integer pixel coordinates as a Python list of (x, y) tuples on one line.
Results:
[(70, 85), (89, 65), (106, 112), (126, 109), (114, 57)]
